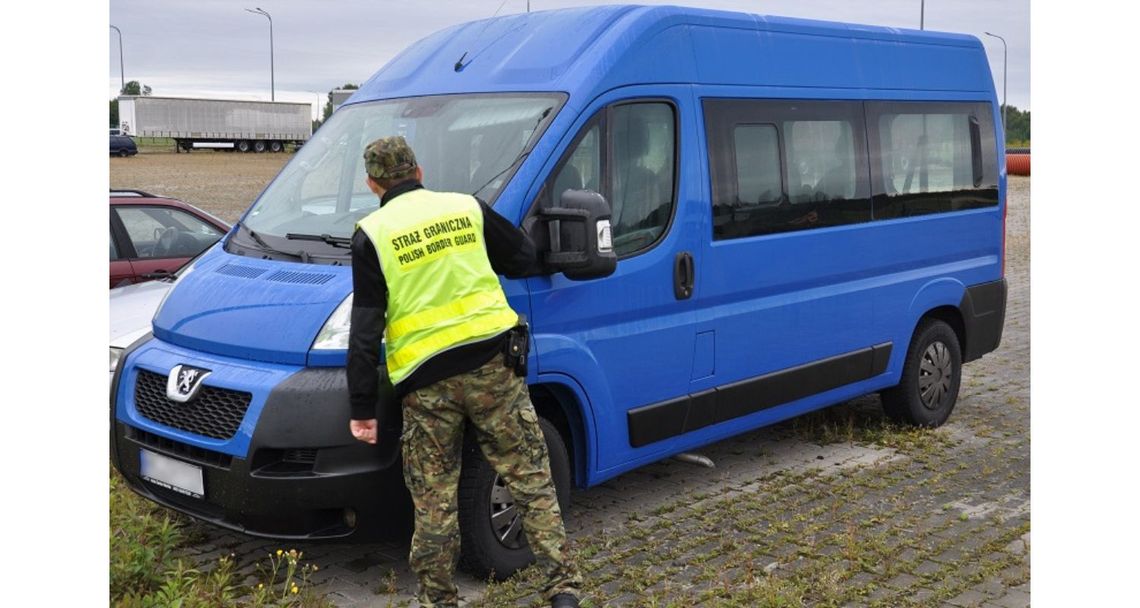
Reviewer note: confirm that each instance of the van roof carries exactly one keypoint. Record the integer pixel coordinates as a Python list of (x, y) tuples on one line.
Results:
[(586, 51)]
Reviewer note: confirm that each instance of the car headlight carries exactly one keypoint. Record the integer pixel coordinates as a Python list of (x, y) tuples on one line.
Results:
[(334, 335), (116, 354)]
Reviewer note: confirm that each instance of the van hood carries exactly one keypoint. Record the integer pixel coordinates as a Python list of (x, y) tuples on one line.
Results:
[(264, 310)]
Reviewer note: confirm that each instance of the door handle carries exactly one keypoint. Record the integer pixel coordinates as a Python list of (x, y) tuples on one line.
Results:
[(684, 275)]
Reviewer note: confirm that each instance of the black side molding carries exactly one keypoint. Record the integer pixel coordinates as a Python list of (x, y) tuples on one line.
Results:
[(983, 312), (658, 421)]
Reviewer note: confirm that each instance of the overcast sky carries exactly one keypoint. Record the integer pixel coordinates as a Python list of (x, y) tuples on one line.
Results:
[(213, 48)]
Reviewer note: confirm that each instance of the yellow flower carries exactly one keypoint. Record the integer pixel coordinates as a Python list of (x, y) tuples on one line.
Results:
[(279, 552), (294, 589), (260, 585)]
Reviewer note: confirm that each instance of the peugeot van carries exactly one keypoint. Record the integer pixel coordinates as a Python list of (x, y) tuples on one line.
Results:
[(741, 219)]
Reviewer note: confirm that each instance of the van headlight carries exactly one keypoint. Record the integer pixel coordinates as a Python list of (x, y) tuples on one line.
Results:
[(334, 334), (116, 354)]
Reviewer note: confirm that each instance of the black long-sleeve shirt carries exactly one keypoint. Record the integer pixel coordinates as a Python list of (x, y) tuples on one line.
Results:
[(511, 253)]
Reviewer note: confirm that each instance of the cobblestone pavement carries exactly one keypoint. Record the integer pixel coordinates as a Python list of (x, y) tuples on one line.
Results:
[(838, 508)]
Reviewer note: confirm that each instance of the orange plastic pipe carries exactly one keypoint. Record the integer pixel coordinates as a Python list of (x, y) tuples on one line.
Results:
[(1017, 164)]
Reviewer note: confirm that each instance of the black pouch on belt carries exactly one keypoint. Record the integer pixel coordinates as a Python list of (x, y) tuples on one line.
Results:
[(518, 345)]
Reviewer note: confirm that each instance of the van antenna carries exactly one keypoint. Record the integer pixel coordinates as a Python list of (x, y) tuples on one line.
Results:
[(459, 65)]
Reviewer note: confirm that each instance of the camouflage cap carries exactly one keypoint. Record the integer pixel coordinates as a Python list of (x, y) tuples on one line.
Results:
[(389, 158)]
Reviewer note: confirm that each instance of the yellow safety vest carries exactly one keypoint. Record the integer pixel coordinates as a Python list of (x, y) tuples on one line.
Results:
[(442, 292)]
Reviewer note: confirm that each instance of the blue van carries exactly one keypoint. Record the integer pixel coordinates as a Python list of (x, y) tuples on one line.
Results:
[(743, 219)]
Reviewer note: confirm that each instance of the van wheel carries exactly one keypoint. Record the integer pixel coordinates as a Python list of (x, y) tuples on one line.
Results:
[(243, 146), (928, 390), (124, 153), (493, 542), (259, 146)]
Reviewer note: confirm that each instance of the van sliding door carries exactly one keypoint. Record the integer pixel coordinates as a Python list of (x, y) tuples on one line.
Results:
[(788, 288)]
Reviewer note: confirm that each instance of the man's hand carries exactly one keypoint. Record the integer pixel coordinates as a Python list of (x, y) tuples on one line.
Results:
[(364, 430)]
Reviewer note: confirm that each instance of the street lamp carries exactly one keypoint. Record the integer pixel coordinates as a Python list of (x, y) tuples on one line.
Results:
[(922, 16), (272, 84), (122, 78), (1004, 73)]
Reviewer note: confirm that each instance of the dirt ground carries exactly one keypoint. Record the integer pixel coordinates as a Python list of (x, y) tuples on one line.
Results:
[(223, 183)]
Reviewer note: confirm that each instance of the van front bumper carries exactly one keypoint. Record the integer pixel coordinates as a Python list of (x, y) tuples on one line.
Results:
[(296, 471)]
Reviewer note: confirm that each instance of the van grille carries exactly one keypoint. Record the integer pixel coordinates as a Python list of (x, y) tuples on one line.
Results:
[(215, 412)]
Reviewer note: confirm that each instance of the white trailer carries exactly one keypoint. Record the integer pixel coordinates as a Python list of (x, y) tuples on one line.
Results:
[(256, 126)]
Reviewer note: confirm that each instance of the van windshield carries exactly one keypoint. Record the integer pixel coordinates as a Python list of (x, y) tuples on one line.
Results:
[(464, 143)]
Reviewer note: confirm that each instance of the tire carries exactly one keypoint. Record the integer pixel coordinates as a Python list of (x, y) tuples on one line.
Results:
[(243, 146), (259, 146), (275, 146), (928, 390), (482, 553), (123, 153)]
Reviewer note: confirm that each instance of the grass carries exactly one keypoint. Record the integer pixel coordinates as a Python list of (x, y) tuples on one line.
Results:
[(145, 570), (862, 422)]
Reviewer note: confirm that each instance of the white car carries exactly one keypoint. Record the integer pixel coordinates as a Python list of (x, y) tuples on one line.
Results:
[(132, 309)]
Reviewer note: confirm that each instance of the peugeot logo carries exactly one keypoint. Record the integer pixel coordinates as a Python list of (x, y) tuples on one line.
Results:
[(184, 382)]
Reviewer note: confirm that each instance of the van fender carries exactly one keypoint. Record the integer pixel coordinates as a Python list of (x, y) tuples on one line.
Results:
[(941, 292), (566, 365)]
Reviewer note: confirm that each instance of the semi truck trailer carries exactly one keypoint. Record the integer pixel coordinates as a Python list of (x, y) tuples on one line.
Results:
[(246, 126)]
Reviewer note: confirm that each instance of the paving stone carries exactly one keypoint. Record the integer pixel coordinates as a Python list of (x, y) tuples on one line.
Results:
[(1013, 598), (968, 598), (922, 597), (928, 568)]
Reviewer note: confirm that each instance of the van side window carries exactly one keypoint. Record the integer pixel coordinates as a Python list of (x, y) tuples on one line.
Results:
[(628, 155), (779, 166), (932, 158), (582, 170), (757, 164), (821, 160), (642, 174)]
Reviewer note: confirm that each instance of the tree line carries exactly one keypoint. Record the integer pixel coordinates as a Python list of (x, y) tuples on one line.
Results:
[(1017, 127)]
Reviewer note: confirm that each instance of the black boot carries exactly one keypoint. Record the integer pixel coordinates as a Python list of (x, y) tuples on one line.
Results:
[(564, 600)]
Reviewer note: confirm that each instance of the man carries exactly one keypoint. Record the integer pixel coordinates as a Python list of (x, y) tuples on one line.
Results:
[(424, 270)]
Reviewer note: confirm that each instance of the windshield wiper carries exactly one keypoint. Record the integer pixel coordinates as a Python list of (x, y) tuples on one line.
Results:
[(335, 241), (303, 256), (161, 275), (517, 160)]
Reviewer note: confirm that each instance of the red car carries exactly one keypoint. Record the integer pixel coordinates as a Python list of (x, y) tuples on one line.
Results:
[(153, 235)]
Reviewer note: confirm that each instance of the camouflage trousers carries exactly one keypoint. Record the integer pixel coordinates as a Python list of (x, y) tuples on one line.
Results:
[(498, 405)]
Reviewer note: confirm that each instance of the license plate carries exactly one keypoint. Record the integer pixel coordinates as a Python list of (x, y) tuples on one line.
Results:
[(172, 474)]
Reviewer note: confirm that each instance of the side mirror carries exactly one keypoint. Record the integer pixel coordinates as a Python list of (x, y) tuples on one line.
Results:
[(580, 237)]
